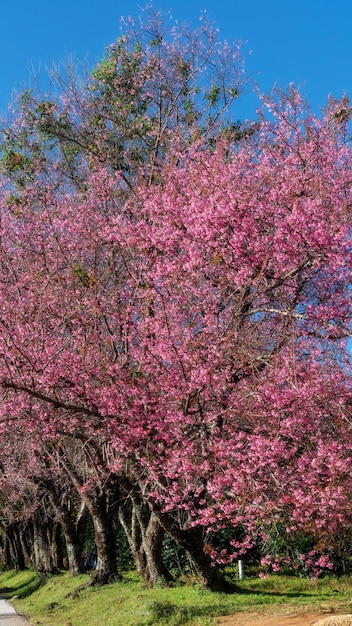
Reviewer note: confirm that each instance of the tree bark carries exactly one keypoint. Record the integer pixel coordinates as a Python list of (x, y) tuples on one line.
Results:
[(145, 537), (192, 541), (73, 538), (153, 536), (12, 549), (96, 501), (42, 544), (26, 538), (54, 541), (106, 568)]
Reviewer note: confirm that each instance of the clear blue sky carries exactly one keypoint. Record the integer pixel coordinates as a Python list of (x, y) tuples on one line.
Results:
[(308, 42)]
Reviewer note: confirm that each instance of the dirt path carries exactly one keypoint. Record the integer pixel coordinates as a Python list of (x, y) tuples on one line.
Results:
[(266, 618)]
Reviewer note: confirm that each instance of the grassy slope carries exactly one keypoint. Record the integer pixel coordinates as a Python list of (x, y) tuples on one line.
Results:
[(129, 603)]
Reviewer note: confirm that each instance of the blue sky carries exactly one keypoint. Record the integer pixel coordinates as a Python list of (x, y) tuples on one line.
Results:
[(307, 42)]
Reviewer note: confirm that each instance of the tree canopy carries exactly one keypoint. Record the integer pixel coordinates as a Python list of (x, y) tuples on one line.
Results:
[(175, 309)]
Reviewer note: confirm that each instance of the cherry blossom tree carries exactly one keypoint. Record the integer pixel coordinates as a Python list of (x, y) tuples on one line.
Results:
[(151, 93), (181, 304), (252, 288)]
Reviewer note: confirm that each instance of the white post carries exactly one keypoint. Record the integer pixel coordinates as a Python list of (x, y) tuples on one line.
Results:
[(241, 569)]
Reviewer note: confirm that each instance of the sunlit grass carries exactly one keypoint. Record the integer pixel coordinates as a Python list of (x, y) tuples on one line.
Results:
[(53, 601)]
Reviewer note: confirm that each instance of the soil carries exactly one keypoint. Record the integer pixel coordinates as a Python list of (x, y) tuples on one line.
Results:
[(269, 618)]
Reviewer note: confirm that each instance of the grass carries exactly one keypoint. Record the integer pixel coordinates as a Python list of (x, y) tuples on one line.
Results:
[(49, 602)]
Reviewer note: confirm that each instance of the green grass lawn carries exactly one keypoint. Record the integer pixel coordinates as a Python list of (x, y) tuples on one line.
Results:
[(130, 603)]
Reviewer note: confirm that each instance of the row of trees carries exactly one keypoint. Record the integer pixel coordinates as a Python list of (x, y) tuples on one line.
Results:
[(174, 311)]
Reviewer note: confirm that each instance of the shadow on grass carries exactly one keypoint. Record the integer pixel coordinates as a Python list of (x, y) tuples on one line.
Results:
[(163, 613), (22, 589), (277, 594), (272, 589), (168, 614)]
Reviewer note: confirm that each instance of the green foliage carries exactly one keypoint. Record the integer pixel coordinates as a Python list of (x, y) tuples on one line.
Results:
[(213, 95), (105, 71), (174, 557), (233, 92)]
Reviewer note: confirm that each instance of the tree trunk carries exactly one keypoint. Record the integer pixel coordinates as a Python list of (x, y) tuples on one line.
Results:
[(153, 545), (96, 501), (129, 522), (145, 537), (54, 531), (42, 544), (69, 519), (26, 538), (73, 541), (13, 555), (106, 568), (74, 556), (6, 561), (188, 537), (192, 541)]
